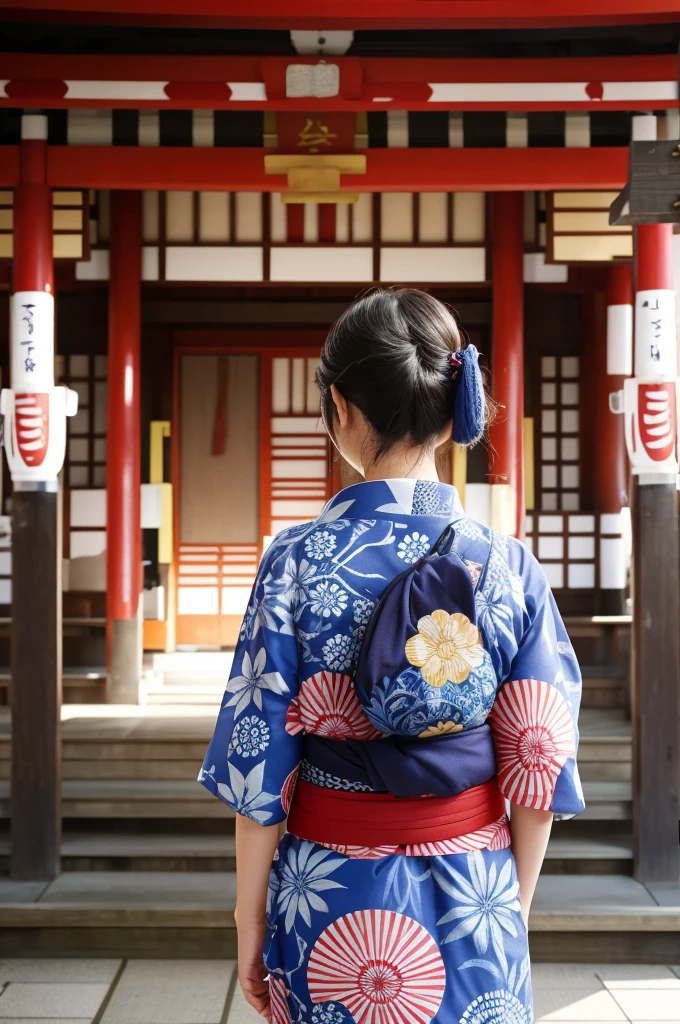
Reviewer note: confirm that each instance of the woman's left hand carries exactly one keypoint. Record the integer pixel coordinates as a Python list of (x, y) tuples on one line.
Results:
[(252, 973)]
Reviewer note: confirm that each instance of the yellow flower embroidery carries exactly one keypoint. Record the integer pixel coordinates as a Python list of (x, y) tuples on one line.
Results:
[(446, 647), (439, 729)]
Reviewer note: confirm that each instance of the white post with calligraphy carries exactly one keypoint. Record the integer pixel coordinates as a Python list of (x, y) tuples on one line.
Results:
[(655, 348), (34, 410), (650, 400)]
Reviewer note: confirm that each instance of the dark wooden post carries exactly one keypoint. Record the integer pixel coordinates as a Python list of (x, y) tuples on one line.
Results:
[(506, 469), (123, 482), (31, 433), (656, 670), (656, 595)]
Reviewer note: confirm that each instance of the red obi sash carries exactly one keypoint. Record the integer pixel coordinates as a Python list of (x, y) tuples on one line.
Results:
[(380, 819)]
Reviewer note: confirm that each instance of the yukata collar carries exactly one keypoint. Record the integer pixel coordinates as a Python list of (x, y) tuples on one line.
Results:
[(383, 499)]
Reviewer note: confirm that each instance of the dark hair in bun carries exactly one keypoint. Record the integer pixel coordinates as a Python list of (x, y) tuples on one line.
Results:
[(389, 354)]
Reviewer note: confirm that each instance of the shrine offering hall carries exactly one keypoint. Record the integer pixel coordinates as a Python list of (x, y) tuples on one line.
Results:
[(177, 234)]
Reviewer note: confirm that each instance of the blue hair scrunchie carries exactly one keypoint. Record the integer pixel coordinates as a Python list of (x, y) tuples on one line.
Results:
[(469, 401)]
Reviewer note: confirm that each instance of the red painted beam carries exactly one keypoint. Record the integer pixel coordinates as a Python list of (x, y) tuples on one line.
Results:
[(150, 68), (350, 14), (388, 170), (62, 81)]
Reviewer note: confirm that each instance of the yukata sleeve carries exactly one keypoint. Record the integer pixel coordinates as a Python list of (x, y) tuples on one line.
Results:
[(535, 714), (252, 761)]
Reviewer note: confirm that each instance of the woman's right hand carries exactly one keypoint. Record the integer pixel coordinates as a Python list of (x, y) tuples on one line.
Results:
[(252, 973), (255, 847)]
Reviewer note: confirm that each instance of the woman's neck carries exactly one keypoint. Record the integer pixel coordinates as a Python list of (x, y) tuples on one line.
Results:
[(403, 464)]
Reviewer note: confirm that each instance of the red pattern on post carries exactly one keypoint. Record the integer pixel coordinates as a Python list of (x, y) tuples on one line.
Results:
[(534, 737)]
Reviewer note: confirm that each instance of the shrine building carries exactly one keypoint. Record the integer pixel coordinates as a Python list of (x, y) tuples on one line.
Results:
[(187, 202)]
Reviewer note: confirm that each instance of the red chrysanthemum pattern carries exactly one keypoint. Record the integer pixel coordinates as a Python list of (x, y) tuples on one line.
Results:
[(278, 1000), (289, 789), (534, 737), (363, 852), (383, 966), (328, 706), (491, 837), (293, 720)]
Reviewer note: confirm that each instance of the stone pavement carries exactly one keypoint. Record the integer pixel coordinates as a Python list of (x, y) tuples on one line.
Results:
[(206, 992)]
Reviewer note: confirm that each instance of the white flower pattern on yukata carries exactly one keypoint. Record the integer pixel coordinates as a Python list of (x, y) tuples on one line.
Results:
[(338, 651), (413, 547), (363, 609), (321, 544), (245, 793), (249, 685), (293, 584), (327, 1013), (486, 905), (328, 599), (497, 1007), (250, 737), (303, 875)]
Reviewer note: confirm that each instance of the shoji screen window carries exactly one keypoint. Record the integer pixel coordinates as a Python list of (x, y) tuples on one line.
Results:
[(85, 464), (559, 424), (299, 445)]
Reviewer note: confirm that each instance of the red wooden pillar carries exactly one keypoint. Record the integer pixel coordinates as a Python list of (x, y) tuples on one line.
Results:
[(36, 528), (506, 470), (123, 482), (656, 597), (613, 363)]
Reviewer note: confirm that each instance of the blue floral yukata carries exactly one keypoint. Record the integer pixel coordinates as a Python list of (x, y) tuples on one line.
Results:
[(395, 934)]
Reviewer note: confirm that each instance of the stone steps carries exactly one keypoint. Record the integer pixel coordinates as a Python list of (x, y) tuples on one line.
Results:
[(151, 913), (598, 762), (79, 685), (181, 798), (605, 759), (129, 769), (150, 743), (607, 801), (599, 758), (602, 646), (188, 678), (113, 850), (203, 694), (169, 799), (601, 854), (168, 850), (604, 687)]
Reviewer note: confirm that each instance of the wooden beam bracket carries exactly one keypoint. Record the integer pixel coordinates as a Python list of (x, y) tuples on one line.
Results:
[(315, 178)]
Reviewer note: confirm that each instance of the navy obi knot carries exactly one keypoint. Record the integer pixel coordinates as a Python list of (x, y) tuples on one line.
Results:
[(408, 766), (425, 621)]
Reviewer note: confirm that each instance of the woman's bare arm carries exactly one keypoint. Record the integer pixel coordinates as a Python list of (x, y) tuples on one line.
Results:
[(255, 848), (530, 833)]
